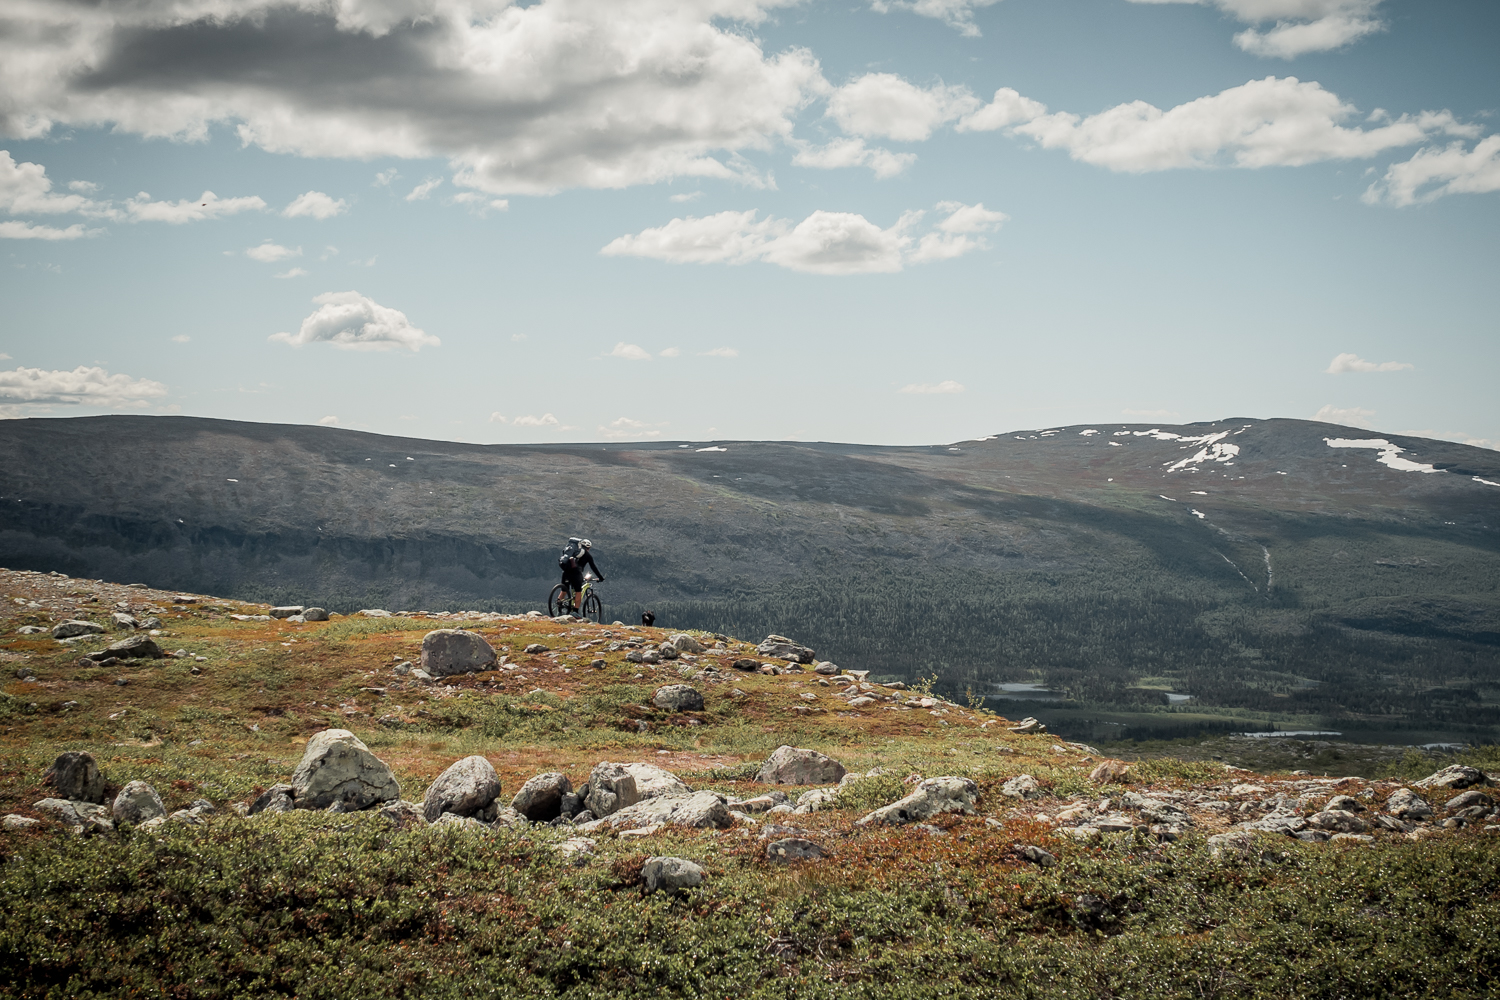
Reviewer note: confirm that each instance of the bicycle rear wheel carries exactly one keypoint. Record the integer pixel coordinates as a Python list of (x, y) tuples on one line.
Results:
[(557, 602), (593, 609)]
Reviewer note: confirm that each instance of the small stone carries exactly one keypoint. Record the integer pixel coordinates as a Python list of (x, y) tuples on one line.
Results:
[(1036, 855), (536, 647), (1022, 787), (793, 849), (403, 815), (671, 875)]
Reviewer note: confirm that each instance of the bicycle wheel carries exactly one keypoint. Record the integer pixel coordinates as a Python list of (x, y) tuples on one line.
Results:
[(557, 603), (593, 609)]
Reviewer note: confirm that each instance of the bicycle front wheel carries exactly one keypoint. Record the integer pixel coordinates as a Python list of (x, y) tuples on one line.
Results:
[(593, 609), (557, 602)]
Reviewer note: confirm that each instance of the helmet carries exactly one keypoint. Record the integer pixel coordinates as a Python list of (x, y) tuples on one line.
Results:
[(586, 544)]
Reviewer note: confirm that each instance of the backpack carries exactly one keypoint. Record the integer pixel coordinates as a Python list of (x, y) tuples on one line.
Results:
[(570, 554)]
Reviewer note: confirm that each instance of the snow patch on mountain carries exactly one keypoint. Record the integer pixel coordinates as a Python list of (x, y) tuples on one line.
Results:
[(1390, 454)]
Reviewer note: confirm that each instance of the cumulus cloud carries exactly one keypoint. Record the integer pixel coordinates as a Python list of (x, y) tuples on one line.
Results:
[(1349, 416), (1432, 173), (671, 352), (83, 386), (883, 105), (823, 243), (721, 352), (328, 421), (845, 152), (1301, 26), (25, 189), (207, 206), (1263, 123), (295, 272), (424, 190), (1007, 108), (1354, 363), (624, 428), (315, 205), (269, 253), (520, 98), (545, 420), (630, 352), (353, 322), (686, 196), (924, 389), (13, 230), (958, 14), (479, 204)]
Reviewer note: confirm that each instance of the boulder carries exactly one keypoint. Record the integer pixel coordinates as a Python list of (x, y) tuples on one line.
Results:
[(287, 611), (793, 849), (817, 798), (670, 875), (136, 803), (1407, 804), (448, 651), (73, 627), (746, 664), (137, 647), (76, 777), (678, 698), (1347, 803), (611, 788), (1468, 800), (337, 767), (783, 648), (1285, 823), (1111, 772), (540, 799), (1236, 844), (80, 817), (1453, 776), (15, 822), (121, 620), (652, 781), (1337, 821), (696, 809), (315, 615), (467, 787), (1028, 725), (535, 647), (1037, 856), (667, 651), (931, 797), (404, 815), (796, 766), (685, 643), (276, 799), (1022, 786)]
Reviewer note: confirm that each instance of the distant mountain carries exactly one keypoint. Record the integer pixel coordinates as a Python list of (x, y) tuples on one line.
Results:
[(1274, 571)]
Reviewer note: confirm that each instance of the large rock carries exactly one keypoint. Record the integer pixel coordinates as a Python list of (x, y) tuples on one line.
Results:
[(1110, 772), (931, 797), (1453, 776), (1337, 821), (80, 817), (136, 803), (783, 648), (73, 627), (1468, 800), (286, 611), (697, 809), (652, 781), (611, 788), (337, 767), (796, 766), (121, 620), (1407, 804), (315, 614), (76, 777), (448, 651), (137, 647), (678, 698), (540, 799), (1023, 786), (685, 643), (467, 787), (670, 874), (793, 849)]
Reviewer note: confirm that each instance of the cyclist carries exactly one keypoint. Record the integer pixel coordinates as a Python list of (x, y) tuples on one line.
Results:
[(575, 557)]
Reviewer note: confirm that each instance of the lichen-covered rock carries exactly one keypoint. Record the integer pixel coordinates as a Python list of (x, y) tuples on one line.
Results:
[(137, 647), (286, 611), (74, 627), (685, 643), (137, 803), (678, 698), (611, 788), (338, 767), (652, 781), (15, 821), (467, 787), (75, 777), (789, 765), (1407, 804), (1111, 772), (931, 797), (540, 799), (1453, 776), (80, 817), (696, 809), (276, 799), (783, 648), (1022, 786), (1235, 844), (448, 651), (1337, 821), (670, 874), (315, 615), (403, 815), (793, 849)]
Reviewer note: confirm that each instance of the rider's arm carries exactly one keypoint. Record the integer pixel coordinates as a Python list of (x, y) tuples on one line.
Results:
[(588, 560)]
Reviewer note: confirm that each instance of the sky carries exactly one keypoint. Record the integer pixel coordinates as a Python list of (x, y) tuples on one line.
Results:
[(875, 221)]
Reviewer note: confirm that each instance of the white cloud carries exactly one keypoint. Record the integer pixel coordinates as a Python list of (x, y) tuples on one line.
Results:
[(315, 205), (686, 196), (545, 420), (520, 98), (1461, 437), (1351, 416), (4, 356), (823, 243), (630, 352), (182, 338), (26, 189), (82, 386), (1008, 108), (384, 178), (497, 417), (1453, 170), (884, 105), (845, 152), (624, 428), (671, 352), (721, 352), (350, 321), (479, 204), (924, 389), (424, 190), (83, 187), (1263, 123), (207, 206), (269, 253), (1354, 363), (1302, 26), (295, 272), (957, 14), (13, 230), (328, 421)]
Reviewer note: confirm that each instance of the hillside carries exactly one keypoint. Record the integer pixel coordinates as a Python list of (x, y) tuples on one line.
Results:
[(1037, 867), (1149, 580)]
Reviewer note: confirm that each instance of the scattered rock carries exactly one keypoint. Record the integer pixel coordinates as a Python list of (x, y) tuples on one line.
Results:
[(1111, 772), (652, 781), (29, 630), (288, 611), (1468, 800), (678, 698), (611, 788), (1036, 855), (932, 796), (1277, 823), (540, 799), (404, 815), (1022, 787), (793, 849), (448, 651), (121, 620), (1028, 725), (1236, 844), (462, 822), (15, 822), (1337, 821), (783, 648), (137, 647), (746, 664), (276, 799), (536, 647), (374, 613), (697, 809), (73, 627), (577, 849), (670, 875), (796, 766), (1453, 776), (467, 787), (1347, 803), (826, 668), (685, 643), (76, 777), (816, 799), (80, 817), (337, 767), (315, 615), (1407, 804), (137, 803)]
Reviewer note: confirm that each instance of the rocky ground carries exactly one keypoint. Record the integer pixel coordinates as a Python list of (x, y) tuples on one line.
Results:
[(786, 823)]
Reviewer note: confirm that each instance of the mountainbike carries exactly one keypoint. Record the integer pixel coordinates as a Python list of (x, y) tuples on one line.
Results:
[(589, 606)]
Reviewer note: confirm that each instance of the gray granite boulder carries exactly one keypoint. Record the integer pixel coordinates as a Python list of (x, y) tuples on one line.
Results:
[(338, 767), (76, 777), (448, 651), (540, 799), (793, 849), (652, 781), (611, 788), (137, 803), (74, 627), (137, 647), (466, 788), (670, 875), (789, 765), (1453, 776), (1407, 804), (931, 797), (678, 698), (783, 648)]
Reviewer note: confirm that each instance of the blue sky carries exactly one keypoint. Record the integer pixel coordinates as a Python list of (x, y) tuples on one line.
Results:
[(885, 222)]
